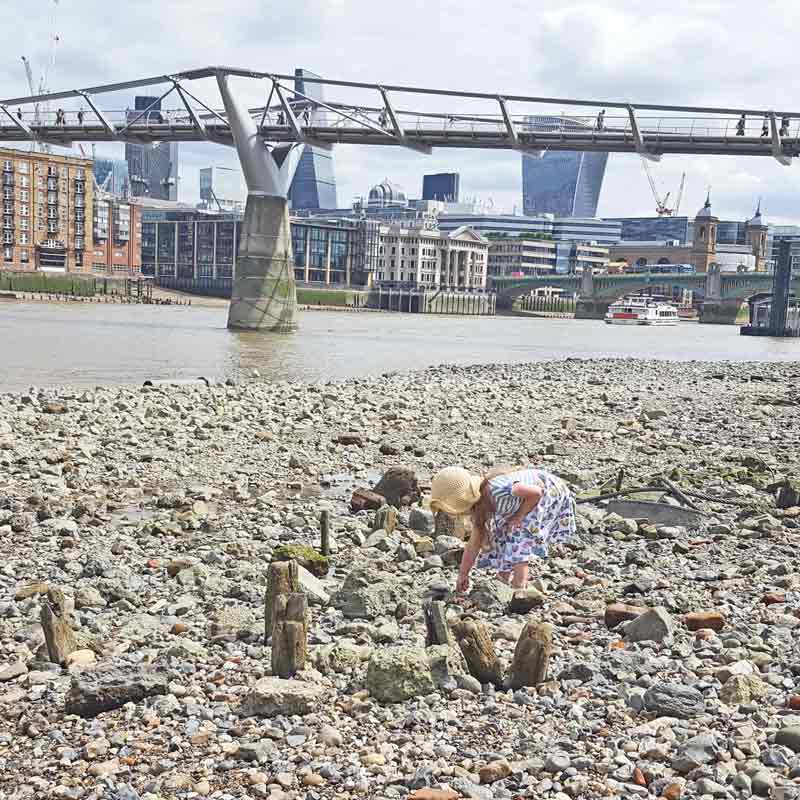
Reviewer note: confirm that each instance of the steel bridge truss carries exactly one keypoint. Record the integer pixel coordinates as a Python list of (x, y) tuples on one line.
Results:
[(369, 114)]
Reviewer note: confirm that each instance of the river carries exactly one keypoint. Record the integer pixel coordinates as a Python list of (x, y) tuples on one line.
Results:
[(84, 344)]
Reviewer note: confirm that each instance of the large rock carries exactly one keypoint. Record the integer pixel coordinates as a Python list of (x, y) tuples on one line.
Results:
[(696, 752), (448, 665), (365, 594), (656, 625), (365, 500), (396, 674), (271, 697), (307, 557), (621, 612), (740, 689), (399, 486), (789, 737), (673, 700), (491, 596), (420, 520), (111, 687), (525, 600)]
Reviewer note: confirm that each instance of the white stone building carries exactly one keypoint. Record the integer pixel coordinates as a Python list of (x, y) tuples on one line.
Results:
[(430, 258)]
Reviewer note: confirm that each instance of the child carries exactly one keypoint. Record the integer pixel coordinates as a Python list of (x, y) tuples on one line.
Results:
[(516, 514)]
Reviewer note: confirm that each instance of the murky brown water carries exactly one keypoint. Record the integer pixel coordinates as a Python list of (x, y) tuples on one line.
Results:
[(84, 344)]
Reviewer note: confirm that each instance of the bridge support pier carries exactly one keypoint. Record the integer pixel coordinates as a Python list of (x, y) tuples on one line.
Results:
[(720, 312), (264, 294), (591, 307)]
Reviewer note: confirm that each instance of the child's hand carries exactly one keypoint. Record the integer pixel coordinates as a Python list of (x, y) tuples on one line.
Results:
[(462, 584), (516, 521)]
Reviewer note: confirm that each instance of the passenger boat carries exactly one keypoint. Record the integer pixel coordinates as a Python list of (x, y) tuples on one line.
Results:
[(641, 310)]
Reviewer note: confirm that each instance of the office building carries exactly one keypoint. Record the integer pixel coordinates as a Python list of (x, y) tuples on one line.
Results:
[(314, 182), (534, 256), (417, 257), (152, 169), (560, 229), (665, 229), (47, 211), (441, 186), (111, 176), (222, 189), (117, 237), (564, 183)]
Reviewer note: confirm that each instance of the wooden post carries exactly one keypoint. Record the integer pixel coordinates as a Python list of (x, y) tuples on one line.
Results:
[(325, 532), (290, 635), (437, 630), (532, 655), (58, 634), (476, 645), (282, 578)]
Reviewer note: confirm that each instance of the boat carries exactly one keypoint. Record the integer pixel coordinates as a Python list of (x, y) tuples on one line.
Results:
[(641, 310)]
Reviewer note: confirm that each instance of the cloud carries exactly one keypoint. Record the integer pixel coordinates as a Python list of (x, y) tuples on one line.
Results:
[(720, 53)]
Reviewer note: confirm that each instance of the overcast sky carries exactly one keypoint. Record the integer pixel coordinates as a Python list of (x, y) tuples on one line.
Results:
[(683, 51)]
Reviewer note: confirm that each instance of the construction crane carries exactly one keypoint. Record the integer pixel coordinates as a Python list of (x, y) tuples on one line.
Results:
[(48, 69), (662, 203)]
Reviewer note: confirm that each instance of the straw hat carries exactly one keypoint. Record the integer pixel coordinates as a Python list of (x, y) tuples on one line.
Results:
[(454, 490)]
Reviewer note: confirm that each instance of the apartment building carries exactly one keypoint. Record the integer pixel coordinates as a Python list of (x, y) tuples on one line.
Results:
[(47, 211)]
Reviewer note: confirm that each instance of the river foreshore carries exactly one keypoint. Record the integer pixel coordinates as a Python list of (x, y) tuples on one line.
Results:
[(151, 515)]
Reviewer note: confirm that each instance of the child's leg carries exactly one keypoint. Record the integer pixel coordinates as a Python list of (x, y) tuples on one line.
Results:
[(519, 576)]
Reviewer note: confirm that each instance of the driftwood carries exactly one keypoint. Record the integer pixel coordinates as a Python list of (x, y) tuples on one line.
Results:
[(643, 489), (437, 630), (282, 578), (476, 645), (325, 533), (290, 635), (677, 493), (532, 655), (58, 634)]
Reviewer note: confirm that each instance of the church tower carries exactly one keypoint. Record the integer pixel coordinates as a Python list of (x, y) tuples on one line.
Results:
[(756, 236), (704, 246)]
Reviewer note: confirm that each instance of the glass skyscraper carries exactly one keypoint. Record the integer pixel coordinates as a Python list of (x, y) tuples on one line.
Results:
[(111, 175), (564, 183), (314, 184), (152, 169)]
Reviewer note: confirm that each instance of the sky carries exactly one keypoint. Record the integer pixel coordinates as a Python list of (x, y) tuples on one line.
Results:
[(727, 54)]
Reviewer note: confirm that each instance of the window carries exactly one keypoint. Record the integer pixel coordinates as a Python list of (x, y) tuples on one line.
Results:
[(22, 166), (23, 238), (8, 237), (8, 166), (24, 211), (79, 259), (24, 256), (23, 224), (8, 254), (8, 208), (23, 181), (23, 195), (52, 227)]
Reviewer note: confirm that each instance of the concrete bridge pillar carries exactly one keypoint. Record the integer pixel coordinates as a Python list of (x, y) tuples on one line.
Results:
[(716, 310), (264, 295)]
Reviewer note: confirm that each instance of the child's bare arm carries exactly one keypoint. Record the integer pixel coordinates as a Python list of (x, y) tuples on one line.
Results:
[(468, 559), (530, 497)]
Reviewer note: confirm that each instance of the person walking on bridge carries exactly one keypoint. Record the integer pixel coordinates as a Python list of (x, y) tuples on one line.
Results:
[(601, 121), (765, 127), (740, 125)]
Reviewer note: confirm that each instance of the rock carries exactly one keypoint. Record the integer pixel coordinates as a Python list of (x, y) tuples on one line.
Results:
[(312, 586), (491, 596), (396, 674), (420, 520), (31, 590), (81, 658), (399, 487), (762, 783), (350, 439), (366, 500), (385, 520), (740, 689), (655, 625), (673, 700), (89, 597), (697, 752), (434, 794), (789, 737), (773, 598), (705, 619), (306, 557), (271, 697), (724, 674), (366, 593), (495, 771), (788, 494), (557, 762), (382, 541), (621, 612), (525, 600), (13, 670), (330, 736), (110, 687), (54, 407), (447, 665)]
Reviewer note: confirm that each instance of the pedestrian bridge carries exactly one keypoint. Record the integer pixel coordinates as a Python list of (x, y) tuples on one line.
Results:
[(189, 108)]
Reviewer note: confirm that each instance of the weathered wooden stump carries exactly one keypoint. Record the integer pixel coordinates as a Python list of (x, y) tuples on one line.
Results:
[(437, 630), (290, 635), (282, 578), (532, 655), (58, 634), (476, 645), (325, 532)]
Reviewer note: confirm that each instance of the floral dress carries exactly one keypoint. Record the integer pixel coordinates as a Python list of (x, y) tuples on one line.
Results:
[(551, 522)]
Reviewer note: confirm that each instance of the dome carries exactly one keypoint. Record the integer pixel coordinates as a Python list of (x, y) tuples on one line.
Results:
[(386, 194)]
